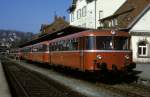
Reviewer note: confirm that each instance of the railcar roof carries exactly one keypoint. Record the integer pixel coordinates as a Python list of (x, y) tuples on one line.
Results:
[(94, 33), (66, 31), (100, 33), (105, 33), (75, 31)]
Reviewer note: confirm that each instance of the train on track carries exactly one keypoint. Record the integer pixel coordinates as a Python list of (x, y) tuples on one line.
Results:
[(87, 51)]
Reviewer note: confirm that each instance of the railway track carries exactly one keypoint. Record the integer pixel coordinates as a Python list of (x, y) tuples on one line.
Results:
[(34, 88), (126, 89), (25, 83)]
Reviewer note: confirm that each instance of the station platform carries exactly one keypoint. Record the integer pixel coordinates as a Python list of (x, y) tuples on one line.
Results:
[(145, 71), (4, 89)]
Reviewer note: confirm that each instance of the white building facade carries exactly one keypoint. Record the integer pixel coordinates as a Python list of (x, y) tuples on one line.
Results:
[(141, 38), (88, 12), (83, 15)]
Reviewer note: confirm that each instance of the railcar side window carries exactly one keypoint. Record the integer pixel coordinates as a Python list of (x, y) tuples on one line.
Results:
[(34, 49), (45, 48), (90, 43), (40, 48), (65, 45), (75, 44), (53, 47), (50, 47), (27, 49), (61, 45)]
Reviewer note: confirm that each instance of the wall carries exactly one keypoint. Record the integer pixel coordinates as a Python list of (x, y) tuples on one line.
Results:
[(134, 41), (108, 7), (142, 26), (88, 19)]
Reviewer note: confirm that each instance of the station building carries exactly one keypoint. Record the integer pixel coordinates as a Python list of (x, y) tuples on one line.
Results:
[(86, 13), (128, 15)]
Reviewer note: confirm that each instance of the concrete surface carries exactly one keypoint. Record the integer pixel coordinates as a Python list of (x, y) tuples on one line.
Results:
[(145, 71), (89, 90), (4, 89), (85, 88)]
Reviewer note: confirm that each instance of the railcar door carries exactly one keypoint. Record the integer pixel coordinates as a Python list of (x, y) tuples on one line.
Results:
[(46, 53), (50, 50), (81, 46)]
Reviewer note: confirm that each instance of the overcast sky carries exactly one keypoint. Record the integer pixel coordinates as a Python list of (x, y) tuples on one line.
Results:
[(28, 15)]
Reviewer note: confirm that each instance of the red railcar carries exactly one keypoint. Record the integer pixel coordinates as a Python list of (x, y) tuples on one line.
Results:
[(93, 50), (40, 52), (26, 52), (90, 50)]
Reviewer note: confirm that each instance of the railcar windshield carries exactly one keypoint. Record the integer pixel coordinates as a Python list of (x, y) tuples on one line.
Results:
[(121, 43), (104, 43), (107, 43)]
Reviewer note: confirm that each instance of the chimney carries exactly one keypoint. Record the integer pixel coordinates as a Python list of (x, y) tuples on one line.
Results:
[(55, 16), (64, 17)]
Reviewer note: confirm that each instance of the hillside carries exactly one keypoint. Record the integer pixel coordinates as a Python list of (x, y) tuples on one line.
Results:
[(12, 38)]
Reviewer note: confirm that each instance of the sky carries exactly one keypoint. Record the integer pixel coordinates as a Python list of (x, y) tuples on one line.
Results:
[(28, 15)]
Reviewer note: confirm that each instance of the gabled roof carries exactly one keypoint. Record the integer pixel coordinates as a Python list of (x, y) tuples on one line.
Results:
[(58, 23), (137, 5), (139, 16), (129, 12)]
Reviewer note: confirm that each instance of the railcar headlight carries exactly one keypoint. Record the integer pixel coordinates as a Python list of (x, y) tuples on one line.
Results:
[(99, 57), (127, 57)]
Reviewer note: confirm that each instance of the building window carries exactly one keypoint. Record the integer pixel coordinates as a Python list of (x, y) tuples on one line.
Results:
[(44, 30), (100, 14), (84, 11), (116, 22), (112, 23), (79, 14), (72, 17), (142, 49)]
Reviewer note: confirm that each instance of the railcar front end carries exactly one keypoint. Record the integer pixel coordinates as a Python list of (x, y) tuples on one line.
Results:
[(108, 52)]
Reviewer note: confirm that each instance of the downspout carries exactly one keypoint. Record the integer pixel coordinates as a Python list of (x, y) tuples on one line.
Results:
[(95, 14)]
